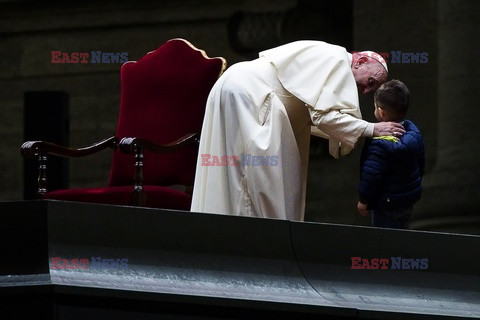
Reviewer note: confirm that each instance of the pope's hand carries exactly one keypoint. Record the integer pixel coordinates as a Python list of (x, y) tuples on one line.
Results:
[(388, 129)]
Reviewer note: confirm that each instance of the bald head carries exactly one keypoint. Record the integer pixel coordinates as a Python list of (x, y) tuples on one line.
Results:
[(369, 70)]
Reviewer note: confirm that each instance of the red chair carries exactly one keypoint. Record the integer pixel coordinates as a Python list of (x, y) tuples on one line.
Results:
[(163, 97)]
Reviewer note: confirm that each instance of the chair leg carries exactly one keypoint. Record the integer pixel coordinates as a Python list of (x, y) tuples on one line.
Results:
[(139, 197), (42, 175), (138, 194)]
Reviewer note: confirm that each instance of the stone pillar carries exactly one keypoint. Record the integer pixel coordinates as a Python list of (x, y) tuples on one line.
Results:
[(451, 199)]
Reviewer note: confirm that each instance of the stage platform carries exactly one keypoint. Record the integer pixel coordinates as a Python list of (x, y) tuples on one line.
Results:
[(67, 260)]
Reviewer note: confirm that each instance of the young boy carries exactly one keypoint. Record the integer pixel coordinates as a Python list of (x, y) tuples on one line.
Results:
[(391, 168)]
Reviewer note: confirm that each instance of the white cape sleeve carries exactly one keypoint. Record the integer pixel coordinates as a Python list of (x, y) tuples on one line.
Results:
[(320, 75)]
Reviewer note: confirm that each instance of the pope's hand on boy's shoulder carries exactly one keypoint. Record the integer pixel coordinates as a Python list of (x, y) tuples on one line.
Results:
[(388, 129)]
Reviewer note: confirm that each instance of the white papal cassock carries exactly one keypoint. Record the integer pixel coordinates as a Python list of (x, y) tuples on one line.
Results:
[(259, 117)]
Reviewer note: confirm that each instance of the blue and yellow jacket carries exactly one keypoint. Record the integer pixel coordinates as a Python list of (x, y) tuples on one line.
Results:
[(391, 169)]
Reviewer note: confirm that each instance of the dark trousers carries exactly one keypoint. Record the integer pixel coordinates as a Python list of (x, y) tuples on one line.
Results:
[(396, 218)]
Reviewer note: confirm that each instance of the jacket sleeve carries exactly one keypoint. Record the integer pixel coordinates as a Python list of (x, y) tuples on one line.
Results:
[(373, 170)]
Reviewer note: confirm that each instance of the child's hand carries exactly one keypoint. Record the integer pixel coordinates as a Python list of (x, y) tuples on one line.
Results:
[(362, 208)]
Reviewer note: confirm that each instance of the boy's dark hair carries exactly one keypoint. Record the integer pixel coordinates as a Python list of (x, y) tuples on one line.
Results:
[(393, 97)]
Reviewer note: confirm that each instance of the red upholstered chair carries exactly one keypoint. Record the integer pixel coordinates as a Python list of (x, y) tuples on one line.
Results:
[(163, 97)]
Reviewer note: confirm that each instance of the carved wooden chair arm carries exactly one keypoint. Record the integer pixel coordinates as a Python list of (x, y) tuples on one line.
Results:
[(133, 144), (32, 149), (40, 149)]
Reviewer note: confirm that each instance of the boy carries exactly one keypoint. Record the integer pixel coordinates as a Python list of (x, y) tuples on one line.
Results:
[(391, 168)]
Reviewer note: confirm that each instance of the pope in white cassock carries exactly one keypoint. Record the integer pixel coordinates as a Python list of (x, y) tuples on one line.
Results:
[(254, 145)]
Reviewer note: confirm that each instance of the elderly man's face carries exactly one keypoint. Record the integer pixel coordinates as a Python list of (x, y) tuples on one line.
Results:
[(369, 75)]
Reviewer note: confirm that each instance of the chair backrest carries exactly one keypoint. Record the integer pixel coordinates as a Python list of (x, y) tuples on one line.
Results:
[(163, 98)]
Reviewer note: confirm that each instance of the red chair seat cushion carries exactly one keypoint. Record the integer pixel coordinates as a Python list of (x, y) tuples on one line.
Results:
[(157, 196)]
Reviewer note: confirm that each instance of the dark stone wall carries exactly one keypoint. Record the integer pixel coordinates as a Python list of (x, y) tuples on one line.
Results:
[(452, 196)]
